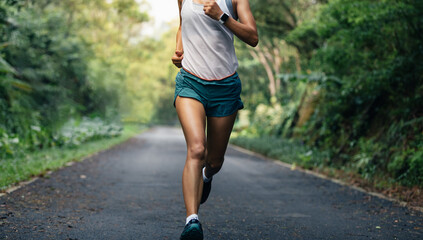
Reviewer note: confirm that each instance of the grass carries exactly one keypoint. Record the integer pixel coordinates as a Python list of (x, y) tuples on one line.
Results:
[(22, 168), (285, 150)]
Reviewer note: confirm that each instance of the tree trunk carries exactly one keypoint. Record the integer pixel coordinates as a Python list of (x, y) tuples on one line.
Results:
[(259, 56)]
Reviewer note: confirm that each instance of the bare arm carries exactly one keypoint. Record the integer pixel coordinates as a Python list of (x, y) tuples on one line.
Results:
[(179, 52), (245, 29)]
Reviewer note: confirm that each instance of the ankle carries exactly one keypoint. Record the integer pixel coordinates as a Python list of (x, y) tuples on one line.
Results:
[(190, 217)]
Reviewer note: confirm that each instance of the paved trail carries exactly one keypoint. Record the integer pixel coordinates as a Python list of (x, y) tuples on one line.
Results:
[(133, 191)]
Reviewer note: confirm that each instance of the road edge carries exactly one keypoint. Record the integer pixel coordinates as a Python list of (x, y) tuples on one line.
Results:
[(68, 164), (319, 175), (35, 178)]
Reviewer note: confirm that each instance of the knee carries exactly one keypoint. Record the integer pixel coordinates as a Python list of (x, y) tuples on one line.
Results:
[(215, 164), (197, 151)]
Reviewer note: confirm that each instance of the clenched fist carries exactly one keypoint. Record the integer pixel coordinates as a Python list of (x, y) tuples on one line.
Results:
[(212, 9), (177, 58)]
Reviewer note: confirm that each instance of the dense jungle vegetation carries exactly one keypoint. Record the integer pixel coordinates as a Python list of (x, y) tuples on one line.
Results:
[(74, 62), (333, 83), (73, 72), (343, 77)]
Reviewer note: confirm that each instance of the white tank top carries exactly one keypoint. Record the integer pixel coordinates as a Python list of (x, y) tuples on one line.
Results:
[(209, 51)]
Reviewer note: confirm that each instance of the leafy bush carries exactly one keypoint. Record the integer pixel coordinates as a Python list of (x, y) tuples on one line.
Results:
[(407, 165), (369, 118), (45, 79), (8, 144), (273, 147), (364, 81), (74, 133), (265, 120), (289, 151)]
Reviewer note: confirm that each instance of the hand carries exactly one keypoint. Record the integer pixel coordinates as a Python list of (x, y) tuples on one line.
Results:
[(177, 58), (212, 9)]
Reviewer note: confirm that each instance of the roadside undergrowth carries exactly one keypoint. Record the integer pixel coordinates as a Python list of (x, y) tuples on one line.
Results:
[(30, 164), (301, 156)]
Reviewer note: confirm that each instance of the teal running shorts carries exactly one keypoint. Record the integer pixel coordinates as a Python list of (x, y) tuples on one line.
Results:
[(220, 98)]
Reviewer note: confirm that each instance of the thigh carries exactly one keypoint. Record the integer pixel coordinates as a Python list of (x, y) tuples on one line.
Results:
[(218, 132), (192, 116)]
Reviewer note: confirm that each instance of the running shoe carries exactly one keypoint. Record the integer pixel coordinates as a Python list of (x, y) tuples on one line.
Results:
[(192, 231), (206, 191)]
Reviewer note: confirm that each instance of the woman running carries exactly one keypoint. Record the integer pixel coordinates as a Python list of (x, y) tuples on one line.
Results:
[(207, 91)]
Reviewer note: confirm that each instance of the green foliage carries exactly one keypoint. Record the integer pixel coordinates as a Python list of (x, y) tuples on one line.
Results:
[(30, 164), (69, 72), (273, 147), (371, 46), (61, 60), (290, 151), (47, 82), (74, 133), (360, 99), (406, 165), (8, 144), (266, 120)]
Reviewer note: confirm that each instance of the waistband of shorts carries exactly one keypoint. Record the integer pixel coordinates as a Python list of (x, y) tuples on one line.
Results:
[(185, 71)]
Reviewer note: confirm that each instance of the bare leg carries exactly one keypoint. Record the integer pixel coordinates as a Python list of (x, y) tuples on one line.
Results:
[(193, 121), (218, 132)]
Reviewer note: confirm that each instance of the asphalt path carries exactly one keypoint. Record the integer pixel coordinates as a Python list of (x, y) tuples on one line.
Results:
[(133, 191)]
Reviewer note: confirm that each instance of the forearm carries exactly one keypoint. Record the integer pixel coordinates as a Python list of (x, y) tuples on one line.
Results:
[(179, 51), (179, 46), (245, 29), (242, 31)]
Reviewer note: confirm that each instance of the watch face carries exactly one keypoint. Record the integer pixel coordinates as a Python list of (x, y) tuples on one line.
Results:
[(224, 17)]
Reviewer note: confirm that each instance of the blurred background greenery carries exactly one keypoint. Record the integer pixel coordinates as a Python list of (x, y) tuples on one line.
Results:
[(335, 83)]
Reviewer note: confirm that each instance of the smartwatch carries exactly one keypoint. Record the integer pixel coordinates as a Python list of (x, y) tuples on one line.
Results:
[(223, 18)]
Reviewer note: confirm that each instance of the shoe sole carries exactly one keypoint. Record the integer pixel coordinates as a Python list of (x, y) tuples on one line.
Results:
[(205, 196)]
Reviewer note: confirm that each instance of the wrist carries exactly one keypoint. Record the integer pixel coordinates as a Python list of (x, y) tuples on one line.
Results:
[(220, 15), (223, 18)]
